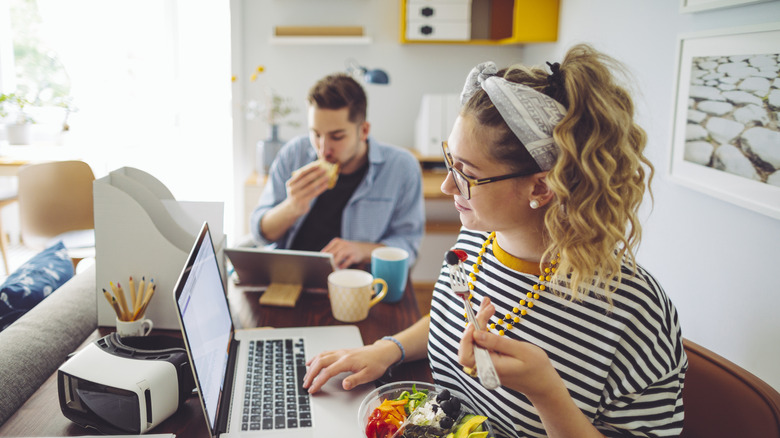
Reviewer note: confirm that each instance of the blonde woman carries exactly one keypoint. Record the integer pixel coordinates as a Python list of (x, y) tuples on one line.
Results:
[(547, 172)]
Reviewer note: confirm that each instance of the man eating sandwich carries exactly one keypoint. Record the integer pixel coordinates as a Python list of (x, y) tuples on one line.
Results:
[(338, 190)]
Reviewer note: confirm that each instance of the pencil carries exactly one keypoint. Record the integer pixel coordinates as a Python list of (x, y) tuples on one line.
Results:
[(145, 304), (148, 297), (131, 285), (120, 296), (139, 297), (149, 288), (127, 309), (113, 288), (112, 302), (115, 305)]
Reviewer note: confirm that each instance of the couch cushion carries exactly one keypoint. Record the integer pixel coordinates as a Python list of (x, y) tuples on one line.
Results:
[(35, 280), (39, 342)]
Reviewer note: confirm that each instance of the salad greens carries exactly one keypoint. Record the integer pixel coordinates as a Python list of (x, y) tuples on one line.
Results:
[(415, 398)]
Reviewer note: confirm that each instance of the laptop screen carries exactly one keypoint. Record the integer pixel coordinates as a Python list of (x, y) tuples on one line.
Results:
[(206, 321)]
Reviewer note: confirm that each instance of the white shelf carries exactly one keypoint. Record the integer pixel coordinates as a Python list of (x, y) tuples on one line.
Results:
[(319, 40)]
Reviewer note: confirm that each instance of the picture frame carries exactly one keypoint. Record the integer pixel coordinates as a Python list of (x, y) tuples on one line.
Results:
[(726, 133), (687, 6)]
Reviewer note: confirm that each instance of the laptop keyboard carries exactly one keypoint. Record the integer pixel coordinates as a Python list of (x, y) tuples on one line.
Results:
[(274, 396)]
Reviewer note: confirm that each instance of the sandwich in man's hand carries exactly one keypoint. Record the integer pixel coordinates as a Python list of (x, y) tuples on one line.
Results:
[(332, 170)]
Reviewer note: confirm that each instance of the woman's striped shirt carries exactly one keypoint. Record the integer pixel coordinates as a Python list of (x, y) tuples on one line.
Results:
[(624, 365)]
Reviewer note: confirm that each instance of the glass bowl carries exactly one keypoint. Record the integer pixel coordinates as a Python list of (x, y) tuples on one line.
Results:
[(394, 390)]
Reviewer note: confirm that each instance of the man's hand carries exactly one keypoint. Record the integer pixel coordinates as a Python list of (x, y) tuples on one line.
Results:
[(346, 252), (304, 185)]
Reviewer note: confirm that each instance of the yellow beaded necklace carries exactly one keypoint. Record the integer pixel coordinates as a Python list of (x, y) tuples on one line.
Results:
[(510, 319)]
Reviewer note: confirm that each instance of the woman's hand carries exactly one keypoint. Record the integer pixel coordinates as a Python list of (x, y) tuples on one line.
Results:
[(365, 363), (521, 366)]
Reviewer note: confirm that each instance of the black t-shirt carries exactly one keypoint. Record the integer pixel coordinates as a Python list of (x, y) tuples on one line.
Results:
[(324, 220)]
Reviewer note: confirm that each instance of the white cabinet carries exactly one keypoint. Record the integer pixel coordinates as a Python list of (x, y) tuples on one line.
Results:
[(489, 22), (438, 20)]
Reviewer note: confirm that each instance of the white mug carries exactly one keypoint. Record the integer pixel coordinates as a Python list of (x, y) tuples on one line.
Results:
[(139, 327), (351, 293)]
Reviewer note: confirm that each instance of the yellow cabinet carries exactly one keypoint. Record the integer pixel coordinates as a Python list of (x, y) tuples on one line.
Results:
[(478, 21)]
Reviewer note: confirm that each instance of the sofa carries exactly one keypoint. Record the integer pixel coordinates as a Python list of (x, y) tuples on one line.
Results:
[(35, 345)]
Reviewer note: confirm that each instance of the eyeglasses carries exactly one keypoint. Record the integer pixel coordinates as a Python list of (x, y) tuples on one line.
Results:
[(465, 183)]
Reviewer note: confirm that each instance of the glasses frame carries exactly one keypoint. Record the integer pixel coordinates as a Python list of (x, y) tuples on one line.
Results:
[(469, 181)]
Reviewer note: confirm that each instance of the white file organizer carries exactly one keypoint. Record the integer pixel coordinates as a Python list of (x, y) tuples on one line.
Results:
[(434, 122), (141, 230)]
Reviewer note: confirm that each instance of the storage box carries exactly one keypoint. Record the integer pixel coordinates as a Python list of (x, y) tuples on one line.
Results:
[(142, 230), (434, 122)]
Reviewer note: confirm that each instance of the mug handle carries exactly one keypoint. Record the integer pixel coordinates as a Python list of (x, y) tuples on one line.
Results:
[(146, 328), (378, 297)]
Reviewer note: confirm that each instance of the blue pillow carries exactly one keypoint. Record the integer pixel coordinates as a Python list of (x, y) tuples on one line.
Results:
[(35, 280)]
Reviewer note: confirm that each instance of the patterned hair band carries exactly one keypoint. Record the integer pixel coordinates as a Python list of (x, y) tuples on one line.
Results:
[(530, 115)]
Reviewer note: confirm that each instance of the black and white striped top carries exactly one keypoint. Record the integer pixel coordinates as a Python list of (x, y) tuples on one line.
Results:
[(624, 366)]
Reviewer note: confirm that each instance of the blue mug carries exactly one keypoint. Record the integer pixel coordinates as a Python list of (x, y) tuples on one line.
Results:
[(392, 265)]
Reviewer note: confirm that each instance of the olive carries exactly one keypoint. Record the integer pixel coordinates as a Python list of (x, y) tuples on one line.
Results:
[(455, 404), (446, 422), (443, 395), (449, 408)]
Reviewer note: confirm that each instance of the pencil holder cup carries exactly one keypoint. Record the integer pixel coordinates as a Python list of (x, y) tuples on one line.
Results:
[(139, 327)]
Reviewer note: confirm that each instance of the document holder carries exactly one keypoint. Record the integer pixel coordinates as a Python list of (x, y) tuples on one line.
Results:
[(142, 231)]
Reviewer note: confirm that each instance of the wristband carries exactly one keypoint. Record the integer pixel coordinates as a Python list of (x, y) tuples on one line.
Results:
[(398, 343)]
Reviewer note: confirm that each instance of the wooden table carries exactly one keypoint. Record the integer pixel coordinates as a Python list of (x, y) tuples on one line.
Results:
[(41, 415), (11, 166), (14, 157)]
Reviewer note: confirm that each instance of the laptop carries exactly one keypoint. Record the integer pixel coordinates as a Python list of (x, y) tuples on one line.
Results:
[(234, 403), (262, 267)]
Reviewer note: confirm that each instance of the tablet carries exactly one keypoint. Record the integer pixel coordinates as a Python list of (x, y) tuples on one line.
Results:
[(262, 267)]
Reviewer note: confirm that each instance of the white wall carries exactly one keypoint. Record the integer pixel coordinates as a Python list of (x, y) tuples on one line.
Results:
[(717, 261)]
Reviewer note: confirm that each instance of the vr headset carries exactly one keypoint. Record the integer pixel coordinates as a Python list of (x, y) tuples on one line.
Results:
[(125, 385)]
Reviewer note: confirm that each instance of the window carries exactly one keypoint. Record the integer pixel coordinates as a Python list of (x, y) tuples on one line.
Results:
[(148, 81)]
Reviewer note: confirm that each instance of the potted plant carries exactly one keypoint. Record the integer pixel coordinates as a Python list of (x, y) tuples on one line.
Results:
[(274, 109), (18, 130)]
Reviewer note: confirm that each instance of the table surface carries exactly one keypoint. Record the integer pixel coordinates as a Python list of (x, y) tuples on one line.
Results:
[(41, 415)]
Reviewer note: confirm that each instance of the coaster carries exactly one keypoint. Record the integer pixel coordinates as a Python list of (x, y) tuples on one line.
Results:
[(281, 295)]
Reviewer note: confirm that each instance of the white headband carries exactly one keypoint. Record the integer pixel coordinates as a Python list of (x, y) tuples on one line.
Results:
[(530, 115)]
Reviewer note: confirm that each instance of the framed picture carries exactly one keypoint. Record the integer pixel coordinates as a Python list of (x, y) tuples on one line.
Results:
[(726, 136), (704, 5)]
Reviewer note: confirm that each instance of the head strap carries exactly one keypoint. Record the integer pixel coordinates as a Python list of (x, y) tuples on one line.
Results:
[(530, 115)]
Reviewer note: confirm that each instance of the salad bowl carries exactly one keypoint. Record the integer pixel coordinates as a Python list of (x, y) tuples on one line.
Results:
[(424, 415)]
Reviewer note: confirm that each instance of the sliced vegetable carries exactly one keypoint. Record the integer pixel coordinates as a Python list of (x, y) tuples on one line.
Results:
[(470, 425), (386, 418)]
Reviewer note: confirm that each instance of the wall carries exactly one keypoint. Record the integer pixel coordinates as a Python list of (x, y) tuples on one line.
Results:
[(717, 261)]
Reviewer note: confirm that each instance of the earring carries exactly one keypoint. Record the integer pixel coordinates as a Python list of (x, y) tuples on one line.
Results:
[(534, 204)]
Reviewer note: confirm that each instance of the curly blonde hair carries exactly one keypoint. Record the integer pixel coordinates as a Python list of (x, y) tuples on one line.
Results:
[(598, 179)]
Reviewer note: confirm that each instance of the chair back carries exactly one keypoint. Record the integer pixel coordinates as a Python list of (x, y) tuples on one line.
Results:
[(54, 198), (722, 399)]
